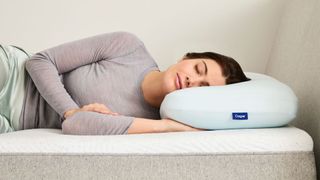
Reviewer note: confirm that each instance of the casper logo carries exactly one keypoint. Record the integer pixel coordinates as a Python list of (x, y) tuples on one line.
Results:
[(240, 116)]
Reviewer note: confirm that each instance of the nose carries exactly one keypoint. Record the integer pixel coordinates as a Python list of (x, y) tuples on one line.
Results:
[(196, 81)]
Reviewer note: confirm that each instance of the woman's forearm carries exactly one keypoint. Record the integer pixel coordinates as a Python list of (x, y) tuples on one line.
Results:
[(143, 125)]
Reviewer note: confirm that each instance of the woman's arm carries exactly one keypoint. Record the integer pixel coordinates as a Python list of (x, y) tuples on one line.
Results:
[(95, 107), (95, 123), (142, 125), (46, 66)]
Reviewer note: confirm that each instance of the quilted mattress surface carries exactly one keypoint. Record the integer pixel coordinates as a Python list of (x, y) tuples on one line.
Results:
[(48, 141)]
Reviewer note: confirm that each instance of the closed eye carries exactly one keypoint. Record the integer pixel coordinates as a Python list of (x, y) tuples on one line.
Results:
[(197, 70)]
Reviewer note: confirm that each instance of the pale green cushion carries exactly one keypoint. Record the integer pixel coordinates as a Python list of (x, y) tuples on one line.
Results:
[(261, 102)]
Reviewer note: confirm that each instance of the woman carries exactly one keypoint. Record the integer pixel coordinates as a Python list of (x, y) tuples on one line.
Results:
[(109, 84)]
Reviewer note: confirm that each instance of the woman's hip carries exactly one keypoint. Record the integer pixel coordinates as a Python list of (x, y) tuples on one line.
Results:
[(12, 83)]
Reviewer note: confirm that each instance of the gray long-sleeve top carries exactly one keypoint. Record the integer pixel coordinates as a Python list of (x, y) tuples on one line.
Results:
[(106, 68)]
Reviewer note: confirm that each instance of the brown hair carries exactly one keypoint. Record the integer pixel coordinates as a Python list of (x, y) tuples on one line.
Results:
[(231, 69)]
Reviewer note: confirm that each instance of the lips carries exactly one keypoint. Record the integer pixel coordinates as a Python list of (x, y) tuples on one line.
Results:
[(178, 82)]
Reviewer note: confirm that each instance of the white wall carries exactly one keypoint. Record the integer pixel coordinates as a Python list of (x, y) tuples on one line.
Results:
[(244, 30)]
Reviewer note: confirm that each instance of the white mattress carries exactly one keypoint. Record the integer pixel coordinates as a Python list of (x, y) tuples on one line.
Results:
[(266, 140)]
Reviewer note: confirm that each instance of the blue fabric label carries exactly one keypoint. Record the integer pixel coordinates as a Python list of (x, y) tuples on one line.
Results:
[(240, 116)]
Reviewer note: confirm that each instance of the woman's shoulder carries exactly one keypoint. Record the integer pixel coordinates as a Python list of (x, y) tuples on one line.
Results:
[(124, 37)]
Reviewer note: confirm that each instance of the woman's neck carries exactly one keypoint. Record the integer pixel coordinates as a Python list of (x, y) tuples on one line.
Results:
[(152, 89)]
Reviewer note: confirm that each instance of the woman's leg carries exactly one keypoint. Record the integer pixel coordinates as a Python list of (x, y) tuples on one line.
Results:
[(13, 89), (4, 71), (4, 125), (4, 75)]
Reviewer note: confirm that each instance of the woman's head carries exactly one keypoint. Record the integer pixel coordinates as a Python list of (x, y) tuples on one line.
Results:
[(203, 69), (231, 69), (192, 70)]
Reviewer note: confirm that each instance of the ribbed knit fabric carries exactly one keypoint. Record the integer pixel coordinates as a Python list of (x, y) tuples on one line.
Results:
[(106, 68)]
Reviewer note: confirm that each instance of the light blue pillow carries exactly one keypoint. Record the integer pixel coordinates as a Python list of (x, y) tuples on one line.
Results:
[(261, 102)]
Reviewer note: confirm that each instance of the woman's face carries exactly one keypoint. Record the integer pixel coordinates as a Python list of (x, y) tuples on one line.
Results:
[(193, 73)]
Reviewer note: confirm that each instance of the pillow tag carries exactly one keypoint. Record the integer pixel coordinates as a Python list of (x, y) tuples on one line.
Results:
[(240, 116)]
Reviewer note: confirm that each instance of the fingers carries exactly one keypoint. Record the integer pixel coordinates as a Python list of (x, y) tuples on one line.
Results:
[(96, 107), (70, 113)]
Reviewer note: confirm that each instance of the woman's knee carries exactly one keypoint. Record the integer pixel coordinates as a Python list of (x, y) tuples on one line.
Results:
[(5, 125), (4, 69)]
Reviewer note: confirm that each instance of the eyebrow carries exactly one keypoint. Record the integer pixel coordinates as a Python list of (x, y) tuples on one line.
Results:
[(205, 65)]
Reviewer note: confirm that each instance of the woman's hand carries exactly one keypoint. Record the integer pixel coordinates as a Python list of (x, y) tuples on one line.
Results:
[(95, 107), (172, 126)]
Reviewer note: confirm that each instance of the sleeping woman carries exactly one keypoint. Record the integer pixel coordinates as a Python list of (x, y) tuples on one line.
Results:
[(107, 84)]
